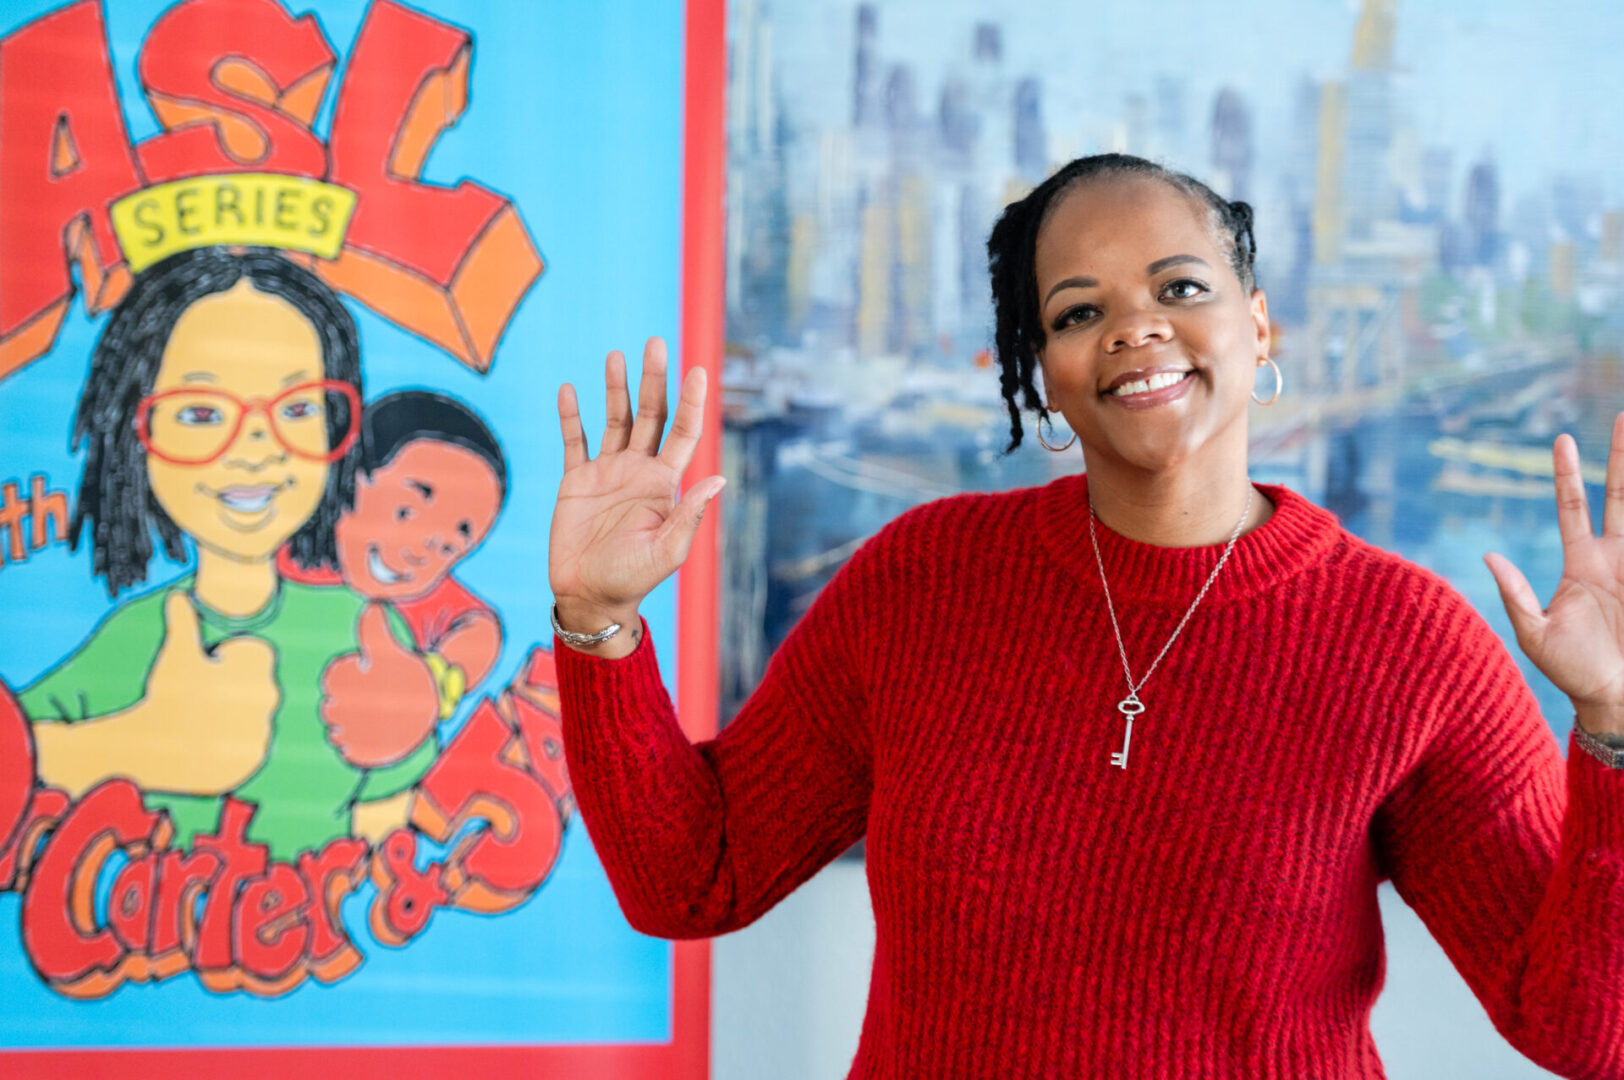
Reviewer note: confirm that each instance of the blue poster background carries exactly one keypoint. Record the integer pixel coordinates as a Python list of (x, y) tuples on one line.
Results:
[(575, 114)]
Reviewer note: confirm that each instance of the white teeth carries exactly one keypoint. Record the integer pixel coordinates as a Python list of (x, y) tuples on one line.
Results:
[(378, 570), (1145, 386), (249, 501)]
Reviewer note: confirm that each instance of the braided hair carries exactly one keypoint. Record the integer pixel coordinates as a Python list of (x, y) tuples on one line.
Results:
[(116, 506), (1011, 258)]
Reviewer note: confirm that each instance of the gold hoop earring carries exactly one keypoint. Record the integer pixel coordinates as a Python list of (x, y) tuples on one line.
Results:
[(1279, 384), (1045, 443)]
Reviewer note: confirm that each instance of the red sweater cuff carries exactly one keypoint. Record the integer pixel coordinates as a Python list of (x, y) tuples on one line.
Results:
[(599, 687), (1595, 803), (640, 661)]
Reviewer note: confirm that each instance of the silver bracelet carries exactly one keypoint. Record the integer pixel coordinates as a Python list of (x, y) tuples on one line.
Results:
[(1605, 752), (572, 638)]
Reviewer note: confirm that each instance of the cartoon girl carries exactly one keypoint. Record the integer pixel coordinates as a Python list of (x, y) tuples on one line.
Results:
[(222, 408)]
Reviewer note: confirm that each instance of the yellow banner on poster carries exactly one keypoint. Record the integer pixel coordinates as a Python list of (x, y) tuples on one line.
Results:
[(294, 213)]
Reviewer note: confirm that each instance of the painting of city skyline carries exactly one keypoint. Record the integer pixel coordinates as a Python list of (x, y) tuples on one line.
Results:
[(1440, 224)]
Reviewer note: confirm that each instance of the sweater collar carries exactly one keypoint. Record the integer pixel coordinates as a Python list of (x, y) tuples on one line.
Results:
[(1297, 536)]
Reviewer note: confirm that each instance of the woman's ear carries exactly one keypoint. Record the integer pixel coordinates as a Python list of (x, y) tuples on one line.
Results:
[(1260, 320)]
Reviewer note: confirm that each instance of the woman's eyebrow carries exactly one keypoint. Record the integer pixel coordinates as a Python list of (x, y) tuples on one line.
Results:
[(1154, 268), (296, 378), (1173, 260), (199, 376), (1072, 283)]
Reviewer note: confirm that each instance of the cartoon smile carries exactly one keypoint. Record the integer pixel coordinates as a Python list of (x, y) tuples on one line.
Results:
[(380, 572), (248, 500), (247, 506)]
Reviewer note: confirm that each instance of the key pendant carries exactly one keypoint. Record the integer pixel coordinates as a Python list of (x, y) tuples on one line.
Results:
[(1129, 707)]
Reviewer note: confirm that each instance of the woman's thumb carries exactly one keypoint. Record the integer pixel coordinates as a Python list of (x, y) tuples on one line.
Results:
[(684, 521), (1522, 605)]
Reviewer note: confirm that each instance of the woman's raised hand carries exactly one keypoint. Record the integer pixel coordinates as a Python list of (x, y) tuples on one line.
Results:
[(1578, 640), (621, 524)]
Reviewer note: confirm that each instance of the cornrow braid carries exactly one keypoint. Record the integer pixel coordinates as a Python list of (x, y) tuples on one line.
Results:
[(1018, 332)]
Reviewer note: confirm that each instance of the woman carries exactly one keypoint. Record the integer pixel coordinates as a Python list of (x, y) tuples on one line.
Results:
[(1060, 889), (221, 408)]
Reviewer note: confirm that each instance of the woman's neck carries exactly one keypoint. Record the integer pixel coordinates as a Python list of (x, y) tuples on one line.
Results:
[(233, 586), (1177, 508)]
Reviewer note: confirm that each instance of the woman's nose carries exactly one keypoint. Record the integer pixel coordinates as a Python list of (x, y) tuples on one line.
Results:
[(1136, 327)]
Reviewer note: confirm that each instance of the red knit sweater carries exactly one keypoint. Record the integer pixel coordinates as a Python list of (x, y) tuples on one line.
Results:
[(1331, 717)]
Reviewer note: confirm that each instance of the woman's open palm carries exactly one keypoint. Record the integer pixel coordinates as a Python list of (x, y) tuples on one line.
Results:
[(620, 525), (1578, 639)]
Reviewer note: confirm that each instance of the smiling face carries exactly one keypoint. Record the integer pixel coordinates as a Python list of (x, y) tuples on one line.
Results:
[(1152, 342), (415, 517), (256, 494)]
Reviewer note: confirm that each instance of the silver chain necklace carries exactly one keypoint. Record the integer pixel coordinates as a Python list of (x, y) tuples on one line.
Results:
[(1131, 706)]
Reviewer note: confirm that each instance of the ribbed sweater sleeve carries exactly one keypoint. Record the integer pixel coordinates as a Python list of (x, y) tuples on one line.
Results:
[(701, 839), (1512, 857)]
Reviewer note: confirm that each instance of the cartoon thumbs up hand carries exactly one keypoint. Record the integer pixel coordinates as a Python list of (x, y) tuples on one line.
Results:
[(203, 727), (380, 702), (206, 717)]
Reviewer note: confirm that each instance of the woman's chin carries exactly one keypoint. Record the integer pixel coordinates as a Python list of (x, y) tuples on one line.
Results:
[(1146, 451), (1161, 442)]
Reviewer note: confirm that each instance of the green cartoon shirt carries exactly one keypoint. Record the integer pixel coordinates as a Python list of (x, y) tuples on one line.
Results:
[(304, 791)]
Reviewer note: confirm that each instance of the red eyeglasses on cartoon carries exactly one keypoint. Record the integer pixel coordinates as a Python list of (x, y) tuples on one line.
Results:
[(196, 425)]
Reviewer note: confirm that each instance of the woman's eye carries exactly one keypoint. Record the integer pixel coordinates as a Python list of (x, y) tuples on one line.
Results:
[(299, 410), (1184, 289), (1074, 315), (198, 415)]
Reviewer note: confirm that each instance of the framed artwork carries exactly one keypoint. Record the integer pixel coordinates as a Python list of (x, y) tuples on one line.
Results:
[(286, 295)]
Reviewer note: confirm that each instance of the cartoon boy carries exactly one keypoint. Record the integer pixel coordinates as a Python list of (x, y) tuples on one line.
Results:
[(432, 482)]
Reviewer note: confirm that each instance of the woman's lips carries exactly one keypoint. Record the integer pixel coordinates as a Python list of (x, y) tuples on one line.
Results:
[(1150, 399)]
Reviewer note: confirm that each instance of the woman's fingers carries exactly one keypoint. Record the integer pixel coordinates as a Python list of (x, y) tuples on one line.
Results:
[(569, 422), (617, 424), (642, 432), (1612, 521), (650, 422), (1572, 509), (687, 424)]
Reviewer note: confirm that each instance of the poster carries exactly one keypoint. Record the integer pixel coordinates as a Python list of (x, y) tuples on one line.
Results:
[(286, 295)]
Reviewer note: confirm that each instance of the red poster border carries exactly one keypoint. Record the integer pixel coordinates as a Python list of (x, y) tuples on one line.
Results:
[(687, 1056)]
